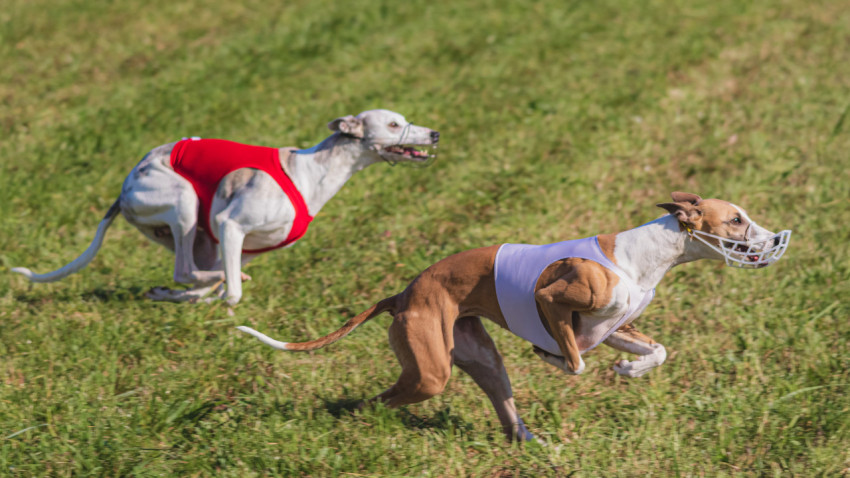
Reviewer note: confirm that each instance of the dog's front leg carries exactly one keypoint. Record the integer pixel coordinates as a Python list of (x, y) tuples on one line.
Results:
[(232, 237), (558, 305), (558, 361), (627, 339)]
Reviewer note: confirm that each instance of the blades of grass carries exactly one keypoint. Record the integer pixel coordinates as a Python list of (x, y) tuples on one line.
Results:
[(19, 432)]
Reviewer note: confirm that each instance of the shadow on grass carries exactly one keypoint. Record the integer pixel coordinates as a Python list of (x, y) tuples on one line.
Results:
[(37, 298), (441, 420), (343, 406), (108, 295)]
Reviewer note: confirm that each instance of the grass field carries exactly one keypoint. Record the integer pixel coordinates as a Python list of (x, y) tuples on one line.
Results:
[(558, 120)]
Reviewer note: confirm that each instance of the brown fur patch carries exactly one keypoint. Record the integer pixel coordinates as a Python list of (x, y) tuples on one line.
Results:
[(607, 243), (633, 333), (566, 287), (717, 218), (465, 281), (586, 284)]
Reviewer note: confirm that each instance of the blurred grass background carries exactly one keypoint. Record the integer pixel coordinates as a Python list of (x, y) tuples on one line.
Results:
[(558, 120)]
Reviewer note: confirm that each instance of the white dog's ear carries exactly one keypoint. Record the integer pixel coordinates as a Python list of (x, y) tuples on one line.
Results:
[(347, 125)]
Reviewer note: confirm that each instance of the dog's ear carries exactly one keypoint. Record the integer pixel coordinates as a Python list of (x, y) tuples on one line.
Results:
[(685, 211), (684, 208), (347, 125)]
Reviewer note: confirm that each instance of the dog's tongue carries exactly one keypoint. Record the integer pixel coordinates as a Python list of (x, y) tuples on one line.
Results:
[(406, 150)]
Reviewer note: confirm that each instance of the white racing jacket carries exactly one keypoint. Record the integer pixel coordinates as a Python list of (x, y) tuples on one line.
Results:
[(517, 269)]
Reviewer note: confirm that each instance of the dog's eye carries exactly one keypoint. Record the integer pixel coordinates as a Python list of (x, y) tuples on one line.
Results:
[(393, 125), (736, 220)]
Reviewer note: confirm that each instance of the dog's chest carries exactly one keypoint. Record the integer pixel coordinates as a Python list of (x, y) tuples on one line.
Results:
[(595, 326)]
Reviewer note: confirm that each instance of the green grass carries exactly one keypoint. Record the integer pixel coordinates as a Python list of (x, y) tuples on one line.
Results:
[(558, 120)]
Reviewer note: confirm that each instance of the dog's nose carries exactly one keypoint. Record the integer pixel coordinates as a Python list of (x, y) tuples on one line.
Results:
[(435, 136), (775, 241)]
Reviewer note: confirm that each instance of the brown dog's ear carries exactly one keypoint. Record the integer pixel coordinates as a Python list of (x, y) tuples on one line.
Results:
[(685, 212), (686, 197), (347, 125)]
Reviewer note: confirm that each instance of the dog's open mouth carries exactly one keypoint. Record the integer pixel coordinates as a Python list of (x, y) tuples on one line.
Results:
[(746, 252), (415, 152)]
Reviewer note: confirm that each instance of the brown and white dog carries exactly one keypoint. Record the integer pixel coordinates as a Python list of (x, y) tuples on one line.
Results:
[(579, 302)]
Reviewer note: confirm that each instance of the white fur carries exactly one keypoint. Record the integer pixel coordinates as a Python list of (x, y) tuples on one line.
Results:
[(643, 363), (264, 338)]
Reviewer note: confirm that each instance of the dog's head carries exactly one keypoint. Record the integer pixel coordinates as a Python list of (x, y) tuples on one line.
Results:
[(726, 232), (389, 135)]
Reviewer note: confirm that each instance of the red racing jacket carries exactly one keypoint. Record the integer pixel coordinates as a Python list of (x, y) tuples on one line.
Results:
[(205, 162)]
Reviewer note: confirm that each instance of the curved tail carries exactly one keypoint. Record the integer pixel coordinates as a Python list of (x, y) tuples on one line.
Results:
[(84, 258), (385, 305)]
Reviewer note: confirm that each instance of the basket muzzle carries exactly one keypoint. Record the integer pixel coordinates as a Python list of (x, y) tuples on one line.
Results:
[(749, 254)]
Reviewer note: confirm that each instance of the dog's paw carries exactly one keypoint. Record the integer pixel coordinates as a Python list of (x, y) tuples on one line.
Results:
[(519, 433), (631, 369), (161, 293), (165, 294), (578, 371), (642, 364), (245, 277)]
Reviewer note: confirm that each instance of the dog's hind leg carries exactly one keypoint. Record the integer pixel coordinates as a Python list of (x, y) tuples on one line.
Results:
[(423, 349), (628, 339), (205, 255), (182, 221), (475, 353)]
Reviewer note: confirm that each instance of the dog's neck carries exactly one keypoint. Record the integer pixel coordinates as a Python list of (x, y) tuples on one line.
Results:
[(647, 252), (320, 172)]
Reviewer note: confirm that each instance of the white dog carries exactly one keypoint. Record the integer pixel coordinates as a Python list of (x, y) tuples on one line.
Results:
[(249, 199)]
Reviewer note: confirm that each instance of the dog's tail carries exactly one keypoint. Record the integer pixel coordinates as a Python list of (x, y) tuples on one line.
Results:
[(84, 258), (388, 304)]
